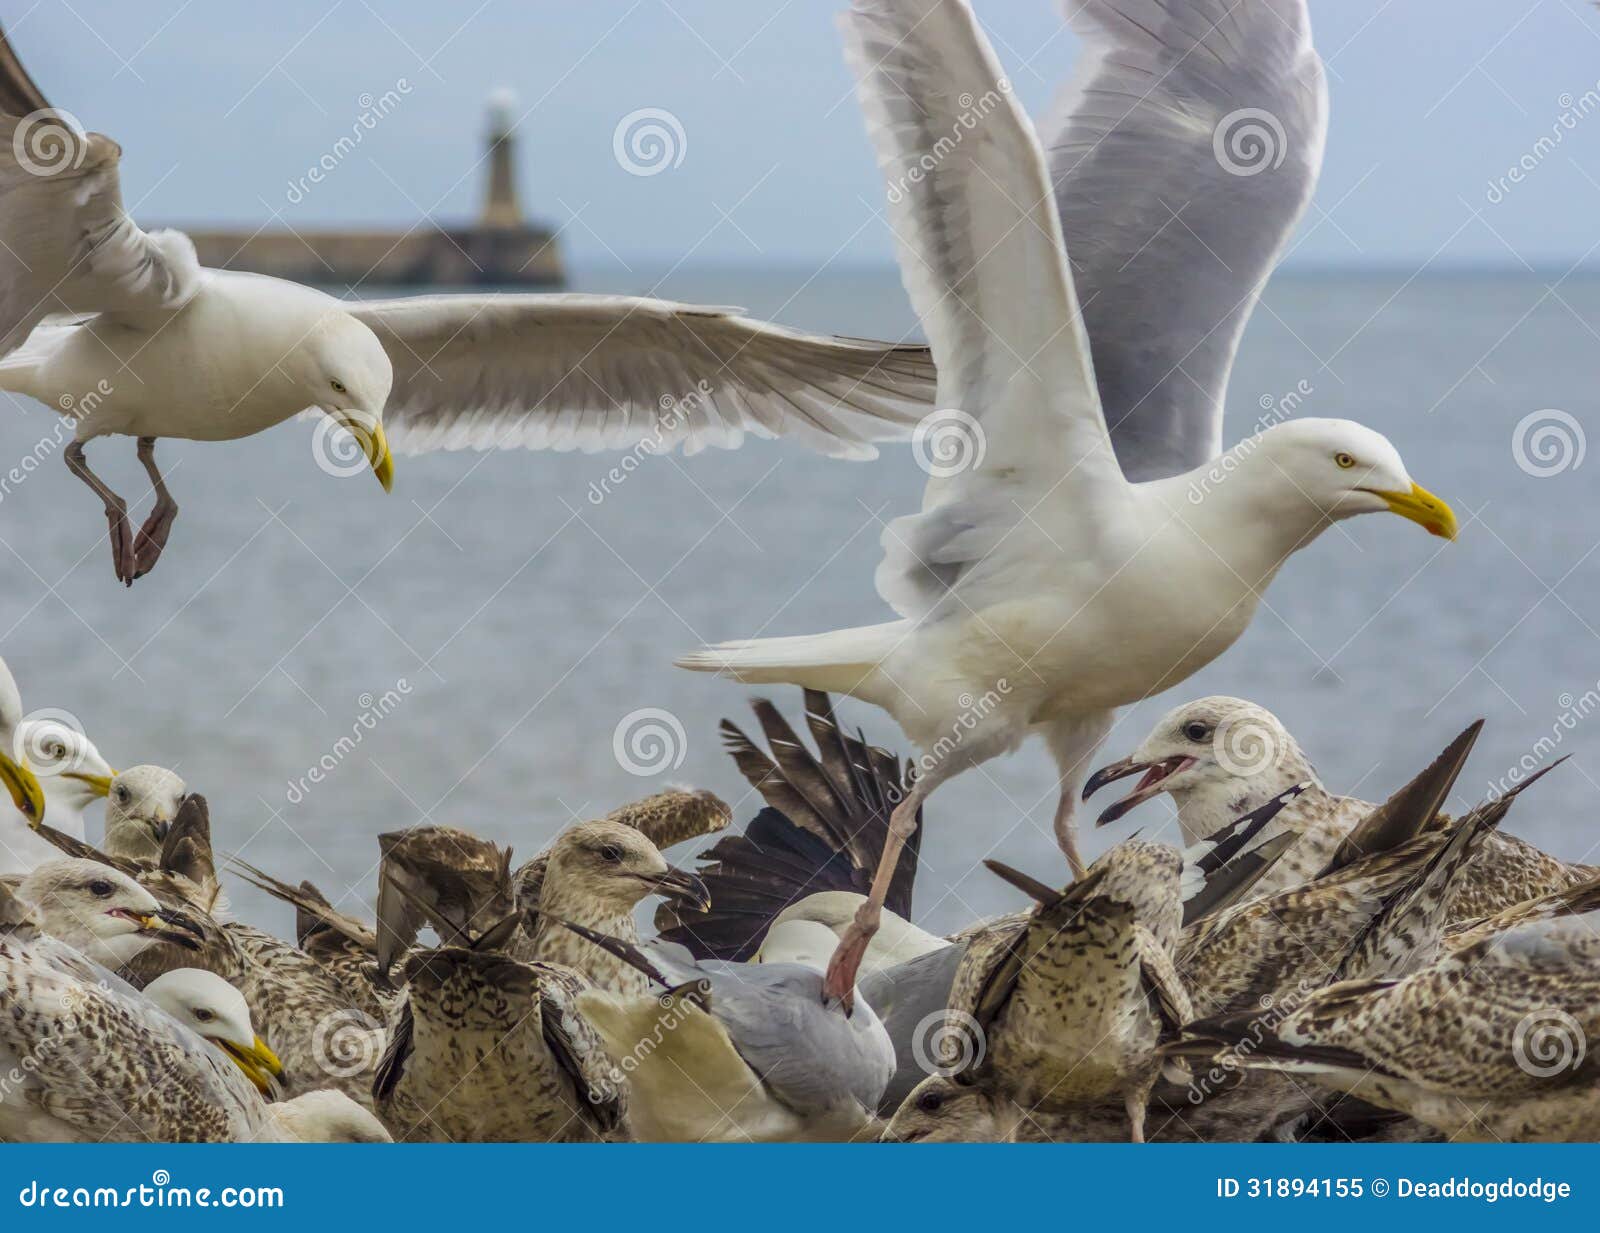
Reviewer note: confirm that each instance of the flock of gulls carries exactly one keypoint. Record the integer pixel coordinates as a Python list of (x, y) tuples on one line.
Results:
[(1304, 966)]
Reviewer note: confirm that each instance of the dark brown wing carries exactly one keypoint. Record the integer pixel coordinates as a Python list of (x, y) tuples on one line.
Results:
[(824, 829), (19, 96)]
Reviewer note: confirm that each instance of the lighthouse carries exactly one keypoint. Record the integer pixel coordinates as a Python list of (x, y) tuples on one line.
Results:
[(500, 207)]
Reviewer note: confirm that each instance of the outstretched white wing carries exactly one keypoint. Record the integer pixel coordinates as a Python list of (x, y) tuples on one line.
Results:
[(982, 258), (593, 372), (1183, 152)]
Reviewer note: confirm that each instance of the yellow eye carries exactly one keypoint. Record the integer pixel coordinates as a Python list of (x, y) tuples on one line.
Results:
[(338, 386), (1344, 460)]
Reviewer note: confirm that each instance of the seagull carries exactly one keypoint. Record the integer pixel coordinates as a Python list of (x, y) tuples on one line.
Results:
[(738, 1052), (20, 780), (1488, 1044), (1219, 755), (49, 752), (595, 874), (216, 1012), (103, 913), (1039, 589), (484, 1048), (123, 332), (92, 1060), (141, 805)]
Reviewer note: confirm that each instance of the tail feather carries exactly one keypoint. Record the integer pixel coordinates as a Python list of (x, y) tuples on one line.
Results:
[(844, 661)]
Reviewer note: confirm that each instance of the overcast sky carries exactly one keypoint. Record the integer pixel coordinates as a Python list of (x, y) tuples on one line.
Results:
[(223, 107)]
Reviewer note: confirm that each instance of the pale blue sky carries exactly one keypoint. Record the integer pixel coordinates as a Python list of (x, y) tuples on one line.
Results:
[(220, 106)]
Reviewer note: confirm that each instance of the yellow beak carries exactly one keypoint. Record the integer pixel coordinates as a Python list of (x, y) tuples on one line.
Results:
[(100, 785), (1424, 509), (368, 429), (259, 1063), (23, 784)]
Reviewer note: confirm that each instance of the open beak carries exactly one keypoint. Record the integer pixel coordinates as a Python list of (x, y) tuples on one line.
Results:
[(368, 430), (170, 926), (259, 1063), (681, 883), (1155, 775), (1422, 508), (100, 785), (26, 793)]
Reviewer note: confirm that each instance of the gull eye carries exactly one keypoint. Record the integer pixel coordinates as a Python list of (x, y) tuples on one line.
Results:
[(929, 1102), (123, 795), (338, 386), (611, 853), (100, 889), (1196, 731), (1344, 460), (203, 1015)]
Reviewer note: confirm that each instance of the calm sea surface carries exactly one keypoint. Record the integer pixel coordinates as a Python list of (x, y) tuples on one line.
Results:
[(477, 637)]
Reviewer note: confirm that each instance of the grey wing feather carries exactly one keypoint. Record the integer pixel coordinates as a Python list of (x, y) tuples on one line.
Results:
[(591, 372), (809, 1055), (1183, 152), (63, 208)]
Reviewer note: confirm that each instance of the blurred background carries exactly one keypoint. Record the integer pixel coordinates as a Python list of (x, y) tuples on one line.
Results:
[(483, 639)]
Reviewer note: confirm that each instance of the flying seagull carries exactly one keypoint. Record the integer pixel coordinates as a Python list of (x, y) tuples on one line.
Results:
[(1039, 589), (125, 333)]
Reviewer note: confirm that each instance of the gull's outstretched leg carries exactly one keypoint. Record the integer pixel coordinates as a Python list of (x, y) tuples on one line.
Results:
[(152, 537), (1067, 833), (840, 982), (122, 557), (1073, 742)]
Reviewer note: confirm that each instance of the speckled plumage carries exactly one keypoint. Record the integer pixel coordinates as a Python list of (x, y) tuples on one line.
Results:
[(1240, 755), (99, 1063), (484, 1048), (1069, 1000), (1488, 1043)]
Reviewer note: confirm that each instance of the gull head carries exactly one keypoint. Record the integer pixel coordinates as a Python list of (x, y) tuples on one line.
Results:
[(215, 1011), (609, 865), (947, 1109), (1217, 757), (74, 774), (343, 369), (27, 794), (140, 808), (103, 912), (1343, 469)]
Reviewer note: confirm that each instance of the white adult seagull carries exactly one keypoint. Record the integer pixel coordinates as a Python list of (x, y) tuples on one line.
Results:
[(1041, 589), (154, 345)]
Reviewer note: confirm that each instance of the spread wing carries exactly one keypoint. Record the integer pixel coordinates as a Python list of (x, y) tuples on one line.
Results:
[(1183, 152), (592, 372), (66, 243), (982, 258)]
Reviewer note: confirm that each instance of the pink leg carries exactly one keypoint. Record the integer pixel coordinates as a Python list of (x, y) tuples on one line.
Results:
[(840, 982)]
